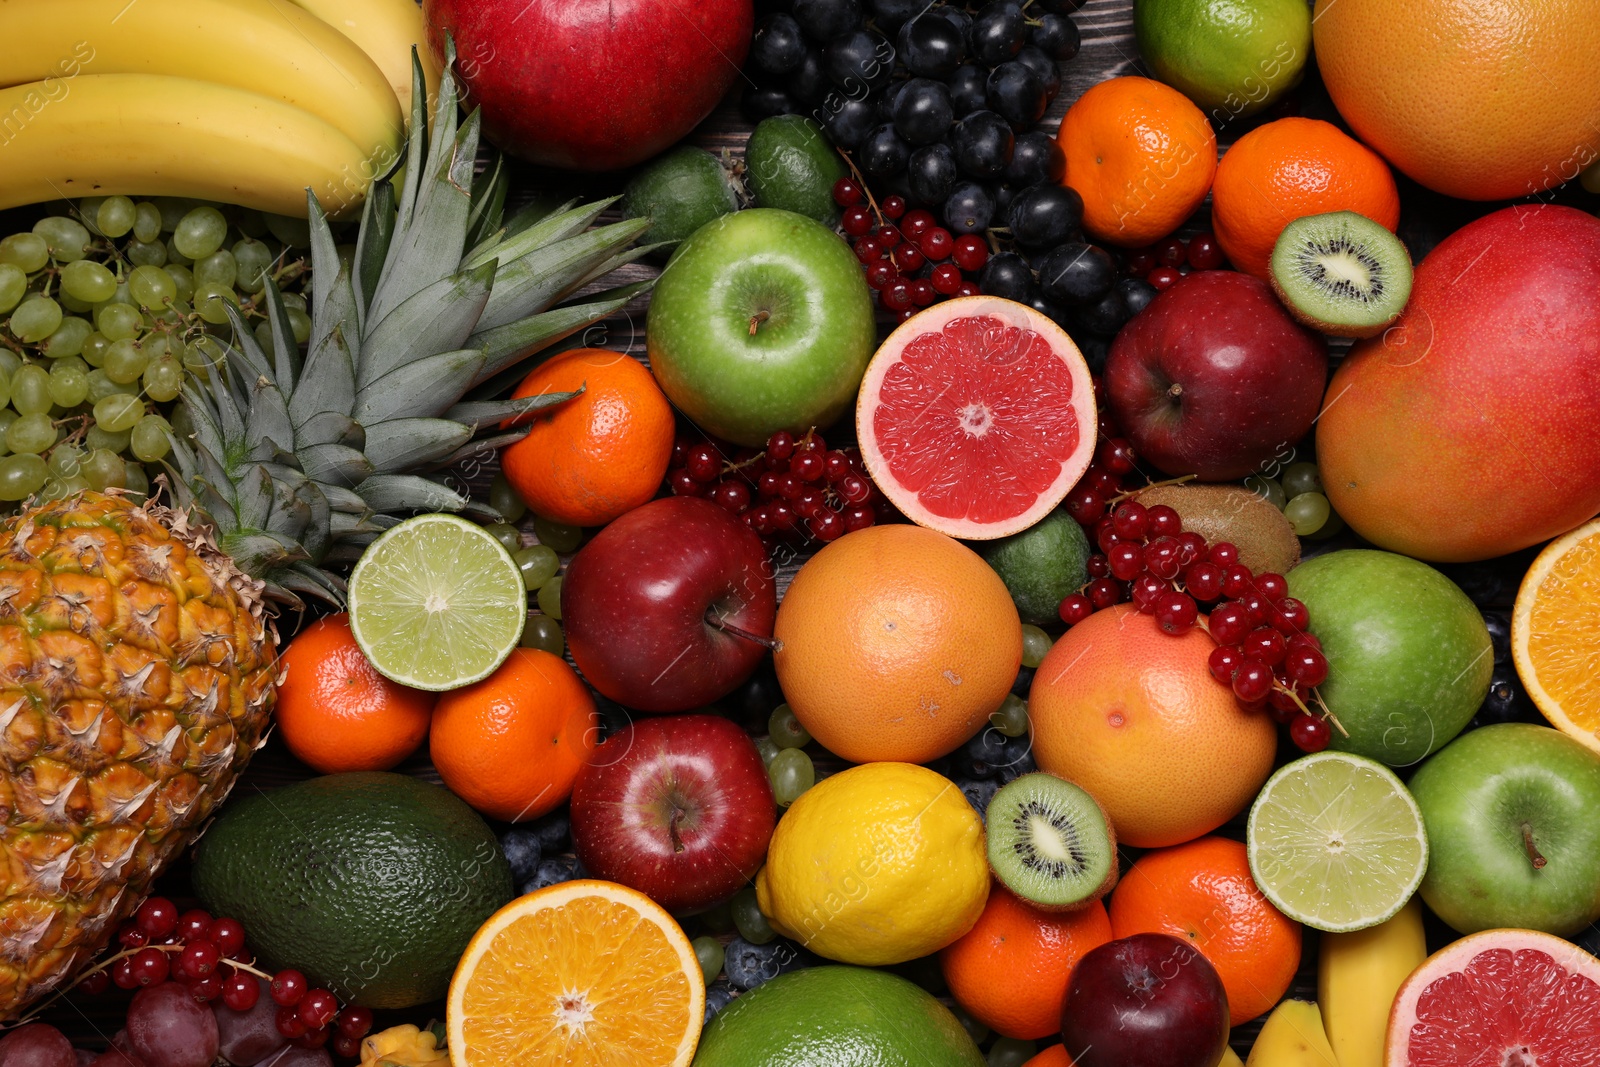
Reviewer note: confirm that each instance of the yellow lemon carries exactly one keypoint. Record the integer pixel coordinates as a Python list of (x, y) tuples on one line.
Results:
[(879, 864)]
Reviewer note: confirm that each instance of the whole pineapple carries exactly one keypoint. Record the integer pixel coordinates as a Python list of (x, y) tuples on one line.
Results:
[(137, 658)]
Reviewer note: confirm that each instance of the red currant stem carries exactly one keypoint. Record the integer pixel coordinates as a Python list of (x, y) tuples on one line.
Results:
[(110, 961), (757, 319), (1329, 715), (1534, 856), (866, 190), (713, 619), (1131, 493)]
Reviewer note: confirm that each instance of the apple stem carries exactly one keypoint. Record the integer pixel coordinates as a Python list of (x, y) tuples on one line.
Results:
[(1175, 390), (672, 828), (713, 619), (757, 319), (1534, 856)]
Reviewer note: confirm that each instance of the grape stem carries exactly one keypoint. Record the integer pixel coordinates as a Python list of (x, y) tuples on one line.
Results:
[(1131, 493), (721, 623), (866, 190), (1329, 715)]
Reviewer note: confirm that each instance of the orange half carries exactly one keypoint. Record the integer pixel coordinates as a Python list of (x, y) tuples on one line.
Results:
[(1555, 633), (581, 974)]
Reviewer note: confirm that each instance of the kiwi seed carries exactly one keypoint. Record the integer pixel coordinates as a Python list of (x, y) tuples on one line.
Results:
[(1341, 273)]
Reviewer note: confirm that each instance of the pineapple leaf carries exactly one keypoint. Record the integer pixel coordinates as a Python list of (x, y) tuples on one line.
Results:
[(254, 499), (488, 201), (438, 319), (336, 464), (267, 422), (285, 352), (372, 248), (407, 492), (524, 286), (327, 427), (408, 444), (560, 224), (416, 142), (419, 390), (482, 450), (324, 260), (346, 501), (327, 380), (508, 345), (313, 581), (483, 413)]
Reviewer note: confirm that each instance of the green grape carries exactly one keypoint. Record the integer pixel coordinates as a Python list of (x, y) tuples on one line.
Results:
[(202, 354), (30, 390), (94, 348), (73, 304), (538, 565), (7, 417), (115, 216), (201, 232), (543, 632), (1011, 1052), (1011, 717), (290, 231), (293, 301), (718, 919), (35, 318), (67, 239), (557, 535), (708, 953), (65, 460), (183, 282), (136, 481), (748, 920), (252, 259), (151, 287), (118, 321), (163, 378), (976, 1030), (111, 442), (145, 254), (508, 536), (101, 387), (1307, 512), (21, 477), (211, 301), (175, 256), (88, 210), (219, 268), (173, 209), (263, 332), (61, 488), (88, 281), (1301, 478), (69, 386), (299, 325), (173, 315), (13, 286), (505, 500), (1267, 489), (5, 389), (767, 749), (785, 728), (125, 362), (68, 339), (1035, 644), (550, 598), (10, 362), (103, 470), (146, 221), (31, 433), (117, 413), (28, 251)]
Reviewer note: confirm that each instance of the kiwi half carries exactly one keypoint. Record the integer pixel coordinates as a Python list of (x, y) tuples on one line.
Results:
[(1050, 842), (1265, 539), (1341, 273)]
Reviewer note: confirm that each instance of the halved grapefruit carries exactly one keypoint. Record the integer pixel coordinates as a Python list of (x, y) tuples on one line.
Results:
[(976, 417), (1500, 998)]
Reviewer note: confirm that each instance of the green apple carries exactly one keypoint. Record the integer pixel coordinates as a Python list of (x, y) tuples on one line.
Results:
[(1409, 656), (1510, 811), (761, 322)]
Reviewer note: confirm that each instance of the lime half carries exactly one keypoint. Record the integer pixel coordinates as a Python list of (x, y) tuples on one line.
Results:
[(437, 603), (1336, 842)]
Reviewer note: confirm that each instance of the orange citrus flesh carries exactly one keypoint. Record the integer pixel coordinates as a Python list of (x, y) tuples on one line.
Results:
[(1556, 633)]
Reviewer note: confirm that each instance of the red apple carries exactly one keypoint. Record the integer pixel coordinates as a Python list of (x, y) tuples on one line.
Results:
[(1214, 378), (669, 607), (676, 807), (592, 84), (1146, 999)]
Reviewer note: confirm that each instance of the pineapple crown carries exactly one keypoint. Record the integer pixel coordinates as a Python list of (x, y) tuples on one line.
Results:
[(298, 462)]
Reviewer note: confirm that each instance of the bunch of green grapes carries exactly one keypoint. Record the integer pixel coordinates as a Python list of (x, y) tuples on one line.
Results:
[(107, 311)]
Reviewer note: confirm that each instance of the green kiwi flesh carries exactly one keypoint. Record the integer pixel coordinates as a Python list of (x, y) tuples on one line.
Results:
[(1341, 273), (1050, 842)]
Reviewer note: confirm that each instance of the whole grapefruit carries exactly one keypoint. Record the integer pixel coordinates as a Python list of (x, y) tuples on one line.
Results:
[(1481, 99), (1466, 430), (1133, 715)]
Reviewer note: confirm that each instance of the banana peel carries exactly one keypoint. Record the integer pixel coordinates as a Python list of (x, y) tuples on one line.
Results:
[(1292, 1037), (404, 1046), (1358, 975)]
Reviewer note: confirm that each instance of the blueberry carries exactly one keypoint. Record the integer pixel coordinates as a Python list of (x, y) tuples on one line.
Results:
[(968, 209), (1035, 60), (997, 33), (857, 61), (718, 996), (1017, 759), (1076, 273), (823, 20), (1136, 294), (1105, 316), (1044, 216), (523, 851), (778, 46), (1506, 701), (932, 173), (807, 83), (762, 102), (1024, 682), (1008, 276), (847, 126), (1036, 158), (1056, 36), (931, 47), (1499, 626), (748, 966), (969, 90), (554, 872), (978, 792), (922, 113), (982, 143), (985, 752), (555, 832), (883, 153)]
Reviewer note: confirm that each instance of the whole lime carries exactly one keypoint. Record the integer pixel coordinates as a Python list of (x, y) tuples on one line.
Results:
[(1408, 654), (1041, 565), (1231, 57), (679, 192), (836, 1017), (791, 164)]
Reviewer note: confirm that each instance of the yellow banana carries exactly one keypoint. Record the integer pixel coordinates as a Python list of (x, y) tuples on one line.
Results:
[(1230, 1058), (1292, 1037), (1358, 975), (385, 30), (270, 47), (152, 135)]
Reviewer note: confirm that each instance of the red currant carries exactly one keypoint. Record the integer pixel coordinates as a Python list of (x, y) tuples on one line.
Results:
[(130, 936), (95, 984), (317, 1008), (847, 191), (156, 917), (767, 486), (783, 516), (916, 221), (894, 206), (287, 988), (1265, 645), (922, 292), (198, 959), (682, 483), (1102, 481), (853, 489), (1309, 733), (1125, 561), (1165, 521), (1085, 505), (193, 924), (909, 258), (703, 464), (1229, 623), (150, 967), (347, 1046), (1103, 593), (968, 289), (1224, 552), (896, 296), (1163, 277), (1097, 565), (1223, 661), (881, 274), (204, 990), (1171, 252), (790, 487), (731, 496), (1256, 605), (227, 935), (1147, 589), (355, 1021), (1116, 455), (945, 278), (827, 526), (1252, 681), (807, 466), (1203, 580), (1161, 557), (312, 1038), (1176, 612), (1306, 667), (1130, 522), (759, 519), (1191, 546), (1141, 261), (122, 974), (904, 316), (680, 452), (1204, 252), (856, 221), (936, 243), (970, 253), (811, 502), (858, 518), (1290, 616), (240, 991), (1304, 640), (1235, 580), (1281, 706), (780, 445), (868, 250), (1075, 608), (289, 1023), (1272, 586), (1105, 535)]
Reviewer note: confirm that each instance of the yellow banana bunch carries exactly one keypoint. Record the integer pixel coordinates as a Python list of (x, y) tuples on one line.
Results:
[(1358, 975), (385, 30), (1292, 1037), (1230, 1058)]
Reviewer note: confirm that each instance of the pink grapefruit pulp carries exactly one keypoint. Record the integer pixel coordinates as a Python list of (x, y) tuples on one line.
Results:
[(976, 417)]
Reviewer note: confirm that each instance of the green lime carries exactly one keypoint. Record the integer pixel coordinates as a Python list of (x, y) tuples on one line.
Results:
[(790, 164), (1041, 565), (836, 1017), (680, 192), (1336, 842), (437, 603), (1231, 57)]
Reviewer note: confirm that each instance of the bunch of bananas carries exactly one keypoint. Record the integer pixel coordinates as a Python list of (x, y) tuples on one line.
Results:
[(249, 102)]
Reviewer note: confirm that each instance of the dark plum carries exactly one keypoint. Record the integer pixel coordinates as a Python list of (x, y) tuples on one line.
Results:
[(1056, 36), (1042, 65), (998, 32), (850, 122), (931, 47), (969, 89), (1105, 316), (807, 83), (1037, 158), (1044, 216), (858, 61), (922, 113), (778, 45), (968, 209), (1016, 94), (883, 153), (1076, 273), (932, 173), (982, 143), (1008, 275), (762, 102), (1136, 294), (823, 20), (891, 13)]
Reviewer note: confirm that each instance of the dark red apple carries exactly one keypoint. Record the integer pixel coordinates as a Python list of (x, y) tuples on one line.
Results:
[(668, 607), (1150, 1000), (592, 84), (677, 807), (1215, 379)]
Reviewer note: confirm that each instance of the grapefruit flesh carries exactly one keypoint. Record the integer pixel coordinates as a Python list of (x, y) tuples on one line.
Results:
[(976, 417), (1502, 998)]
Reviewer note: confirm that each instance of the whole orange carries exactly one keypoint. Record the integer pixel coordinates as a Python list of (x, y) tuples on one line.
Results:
[(1054, 1056), (1010, 971), (1481, 99), (336, 713), (588, 460), (1141, 155), (1203, 891), (1133, 715), (512, 744), (896, 643), (1286, 170)]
